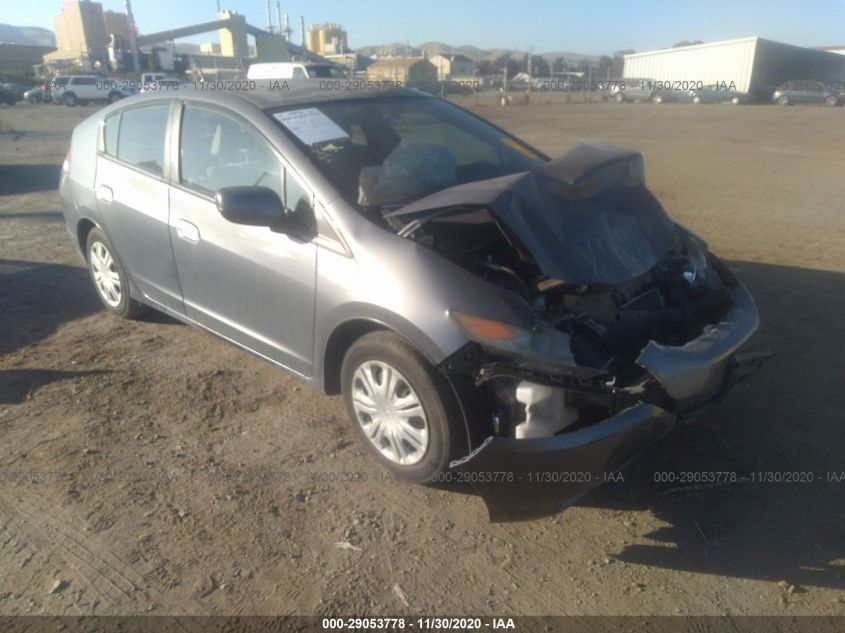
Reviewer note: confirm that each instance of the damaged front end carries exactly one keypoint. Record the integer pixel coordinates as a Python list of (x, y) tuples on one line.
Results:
[(635, 324)]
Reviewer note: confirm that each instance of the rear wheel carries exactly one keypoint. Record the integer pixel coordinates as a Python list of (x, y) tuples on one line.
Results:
[(110, 278), (735, 101), (402, 409), (696, 99), (658, 99), (70, 99), (114, 96), (619, 98), (33, 99), (831, 101), (784, 100), (83, 102)]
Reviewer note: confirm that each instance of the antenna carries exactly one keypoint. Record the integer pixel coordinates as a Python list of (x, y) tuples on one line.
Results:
[(302, 30)]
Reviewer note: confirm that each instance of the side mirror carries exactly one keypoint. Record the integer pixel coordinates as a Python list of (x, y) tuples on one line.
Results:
[(252, 206)]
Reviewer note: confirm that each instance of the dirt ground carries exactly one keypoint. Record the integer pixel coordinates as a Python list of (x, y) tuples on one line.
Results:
[(149, 467)]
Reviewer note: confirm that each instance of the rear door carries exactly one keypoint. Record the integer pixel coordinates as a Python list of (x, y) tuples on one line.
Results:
[(133, 198), (248, 283)]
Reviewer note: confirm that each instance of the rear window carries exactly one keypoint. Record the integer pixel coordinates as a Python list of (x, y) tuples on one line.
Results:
[(140, 139)]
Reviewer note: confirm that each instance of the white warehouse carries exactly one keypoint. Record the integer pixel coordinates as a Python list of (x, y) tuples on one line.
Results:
[(752, 64)]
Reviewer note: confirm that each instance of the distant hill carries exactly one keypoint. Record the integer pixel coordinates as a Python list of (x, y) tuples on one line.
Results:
[(33, 35), (473, 52)]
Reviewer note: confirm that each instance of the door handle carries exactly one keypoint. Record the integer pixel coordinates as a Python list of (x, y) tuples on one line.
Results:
[(187, 231), (105, 194)]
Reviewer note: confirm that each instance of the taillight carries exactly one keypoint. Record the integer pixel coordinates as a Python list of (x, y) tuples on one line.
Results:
[(66, 164)]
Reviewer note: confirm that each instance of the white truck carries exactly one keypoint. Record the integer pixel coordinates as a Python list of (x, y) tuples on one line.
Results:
[(296, 70)]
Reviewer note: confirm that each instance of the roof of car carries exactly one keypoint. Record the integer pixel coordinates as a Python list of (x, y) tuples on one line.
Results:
[(269, 94)]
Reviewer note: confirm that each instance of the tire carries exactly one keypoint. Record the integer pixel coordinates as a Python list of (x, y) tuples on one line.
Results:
[(83, 102), (114, 97), (619, 98), (784, 100), (69, 99), (438, 435), (735, 101), (120, 303), (657, 99), (831, 101), (33, 99), (696, 99)]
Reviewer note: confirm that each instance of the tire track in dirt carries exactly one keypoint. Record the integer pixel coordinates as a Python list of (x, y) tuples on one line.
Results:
[(107, 575)]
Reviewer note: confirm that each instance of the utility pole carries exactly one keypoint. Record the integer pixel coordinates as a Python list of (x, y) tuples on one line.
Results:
[(269, 16), (133, 36), (302, 30)]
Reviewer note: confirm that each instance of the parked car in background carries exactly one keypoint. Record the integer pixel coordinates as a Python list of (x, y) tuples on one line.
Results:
[(10, 94), (672, 96), (147, 78), (73, 90), (632, 89), (162, 85), (807, 91), (38, 94), (720, 93), (482, 308)]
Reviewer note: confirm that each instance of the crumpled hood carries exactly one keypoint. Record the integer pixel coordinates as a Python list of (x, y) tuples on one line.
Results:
[(585, 217)]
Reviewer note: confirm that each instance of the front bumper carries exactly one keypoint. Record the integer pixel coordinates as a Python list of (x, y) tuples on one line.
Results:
[(528, 478)]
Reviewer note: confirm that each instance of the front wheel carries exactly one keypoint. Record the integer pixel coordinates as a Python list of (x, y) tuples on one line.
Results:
[(831, 101), (115, 97), (403, 411), (784, 100), (619, 98), (110, 278), (70, 99), (33, 99), (658, 99)]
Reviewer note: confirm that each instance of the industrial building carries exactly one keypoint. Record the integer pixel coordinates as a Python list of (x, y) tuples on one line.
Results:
[(751, 64), (326, 39), (83, 33)]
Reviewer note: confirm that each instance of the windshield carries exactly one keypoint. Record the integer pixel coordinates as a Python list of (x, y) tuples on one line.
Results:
[(326, 72), (388, 152)]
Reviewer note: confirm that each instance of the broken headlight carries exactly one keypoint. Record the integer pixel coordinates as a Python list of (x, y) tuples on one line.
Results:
[(697, 270), (541, 344)]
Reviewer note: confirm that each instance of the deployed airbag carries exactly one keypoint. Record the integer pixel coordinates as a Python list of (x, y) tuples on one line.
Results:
[(585, 218)]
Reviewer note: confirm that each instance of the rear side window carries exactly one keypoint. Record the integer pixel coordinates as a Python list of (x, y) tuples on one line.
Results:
[(218, 151), (140, 140)]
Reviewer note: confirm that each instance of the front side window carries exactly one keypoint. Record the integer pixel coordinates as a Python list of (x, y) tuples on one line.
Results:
[(140, 140), (218, 150)]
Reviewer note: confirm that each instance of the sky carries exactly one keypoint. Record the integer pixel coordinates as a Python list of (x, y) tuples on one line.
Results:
[(593, 27)]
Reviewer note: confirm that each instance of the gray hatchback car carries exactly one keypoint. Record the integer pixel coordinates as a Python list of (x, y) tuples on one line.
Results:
[(490, 316)]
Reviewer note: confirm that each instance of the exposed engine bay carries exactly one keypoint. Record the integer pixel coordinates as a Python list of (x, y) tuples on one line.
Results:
[(599, 264)]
